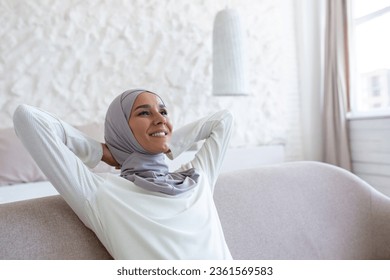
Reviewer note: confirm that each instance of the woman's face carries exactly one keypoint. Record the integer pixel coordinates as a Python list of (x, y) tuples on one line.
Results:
[(150, 124)]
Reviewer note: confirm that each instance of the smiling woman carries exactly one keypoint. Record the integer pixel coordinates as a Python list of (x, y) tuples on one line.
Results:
[(137, 133), (147, 212)]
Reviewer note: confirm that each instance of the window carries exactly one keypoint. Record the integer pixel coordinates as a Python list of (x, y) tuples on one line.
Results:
[(370, 56), (375, 86)]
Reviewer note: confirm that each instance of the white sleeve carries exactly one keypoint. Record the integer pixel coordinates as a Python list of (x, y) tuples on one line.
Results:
[(216, 131), (62, 153), (84, 147)]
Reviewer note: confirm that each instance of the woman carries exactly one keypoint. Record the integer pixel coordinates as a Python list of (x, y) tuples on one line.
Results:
[(147, 212)]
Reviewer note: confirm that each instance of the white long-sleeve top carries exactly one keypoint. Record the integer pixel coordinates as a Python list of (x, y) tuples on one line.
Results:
[(131, 222)]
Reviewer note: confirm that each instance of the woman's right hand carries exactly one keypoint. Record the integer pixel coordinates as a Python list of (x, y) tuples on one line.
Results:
[(108, 158)]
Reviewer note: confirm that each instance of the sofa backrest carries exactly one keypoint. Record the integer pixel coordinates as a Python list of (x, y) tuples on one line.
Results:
[(46, 228), (302, 210)]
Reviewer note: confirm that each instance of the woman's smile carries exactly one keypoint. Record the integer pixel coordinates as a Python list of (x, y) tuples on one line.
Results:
[(159, 134)]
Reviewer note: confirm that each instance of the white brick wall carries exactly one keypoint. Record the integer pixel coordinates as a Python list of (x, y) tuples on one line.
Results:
[(72, 57)]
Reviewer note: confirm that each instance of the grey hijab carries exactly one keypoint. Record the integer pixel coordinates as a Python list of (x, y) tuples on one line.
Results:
[(148, 171)]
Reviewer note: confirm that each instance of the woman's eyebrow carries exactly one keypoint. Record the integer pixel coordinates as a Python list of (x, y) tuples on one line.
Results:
[(145, 106), (148, 106)]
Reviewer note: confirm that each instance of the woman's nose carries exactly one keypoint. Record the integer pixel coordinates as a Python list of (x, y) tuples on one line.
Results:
[(159, 119)]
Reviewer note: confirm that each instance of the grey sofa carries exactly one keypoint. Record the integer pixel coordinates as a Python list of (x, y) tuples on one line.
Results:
[(300, 210)]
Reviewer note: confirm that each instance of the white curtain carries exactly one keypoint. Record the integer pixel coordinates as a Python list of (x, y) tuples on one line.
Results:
[(336, 148)]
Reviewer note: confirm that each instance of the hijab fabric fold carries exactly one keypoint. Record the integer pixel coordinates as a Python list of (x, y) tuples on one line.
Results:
[(146, 170)]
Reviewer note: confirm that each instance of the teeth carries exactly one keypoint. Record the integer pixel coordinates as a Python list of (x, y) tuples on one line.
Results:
[(158, 134)]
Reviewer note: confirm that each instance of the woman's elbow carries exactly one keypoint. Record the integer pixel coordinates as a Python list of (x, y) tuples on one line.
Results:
[(20, 115)]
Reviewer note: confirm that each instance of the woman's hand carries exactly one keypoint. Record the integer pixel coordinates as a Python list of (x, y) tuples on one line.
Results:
[(108, 158)]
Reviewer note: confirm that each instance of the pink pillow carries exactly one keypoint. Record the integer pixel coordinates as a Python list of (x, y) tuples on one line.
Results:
[(16, 164)]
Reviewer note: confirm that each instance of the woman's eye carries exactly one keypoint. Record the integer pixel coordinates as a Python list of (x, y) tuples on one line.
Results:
[(143, 113), (164, 112)]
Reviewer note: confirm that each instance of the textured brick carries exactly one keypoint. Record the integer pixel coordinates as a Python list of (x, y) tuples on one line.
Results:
[(72, 57)]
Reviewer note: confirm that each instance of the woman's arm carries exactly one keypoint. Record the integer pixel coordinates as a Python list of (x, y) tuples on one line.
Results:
[(62, 153), (33, 123), (216, 131)]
